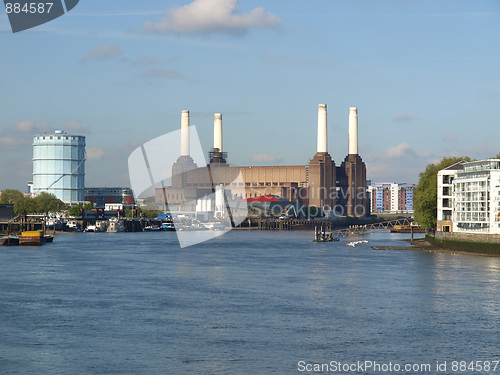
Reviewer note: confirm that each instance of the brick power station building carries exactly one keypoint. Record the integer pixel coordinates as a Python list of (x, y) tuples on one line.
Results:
[(321, 183)]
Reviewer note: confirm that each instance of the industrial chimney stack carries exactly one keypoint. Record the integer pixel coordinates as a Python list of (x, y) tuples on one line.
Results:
[(216, 156), (185, 162), (353, 131), (218, 132), (321, 171), (185, 133), (322, 131)]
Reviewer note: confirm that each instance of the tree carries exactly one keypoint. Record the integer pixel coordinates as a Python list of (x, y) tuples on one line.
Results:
[(425, 200), (22, 205), (140, 212), (75, 211), (46, 202), (88, 206), (10, 196)]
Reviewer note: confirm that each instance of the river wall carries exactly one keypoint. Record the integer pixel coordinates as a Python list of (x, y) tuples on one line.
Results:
[(473, 243)]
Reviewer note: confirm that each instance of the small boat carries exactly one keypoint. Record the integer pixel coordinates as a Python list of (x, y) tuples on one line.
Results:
[(168, 227), (354, 243), (91, 228), (151, 228), (115, 225), (215, 226), (407, 229), (31, 238), (3, 240), (49, 238)]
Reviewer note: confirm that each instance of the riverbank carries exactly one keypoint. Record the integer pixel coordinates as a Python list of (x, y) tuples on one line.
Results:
[(430, 244)]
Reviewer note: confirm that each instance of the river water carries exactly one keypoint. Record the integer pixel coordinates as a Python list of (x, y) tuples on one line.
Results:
[(247, 302)]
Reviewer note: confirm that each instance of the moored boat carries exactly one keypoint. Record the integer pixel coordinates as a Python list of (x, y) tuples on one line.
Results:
[(115, 225), (407, 229), (31, 238), (151, 228), (354, 243), (91, 228), (167, 227)]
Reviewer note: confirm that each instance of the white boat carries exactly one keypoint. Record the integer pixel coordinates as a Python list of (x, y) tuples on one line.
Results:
[(354, 243), (72, 224), (90, 228), (214, 226), (101, 225), (151, 228), (115, 225)]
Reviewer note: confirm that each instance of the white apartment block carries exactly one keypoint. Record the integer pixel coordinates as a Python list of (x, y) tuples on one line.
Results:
[(468, 197)]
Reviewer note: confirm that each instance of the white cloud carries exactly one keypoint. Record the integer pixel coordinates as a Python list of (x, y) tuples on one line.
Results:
[(95, 153), (103, 53), (73, 125), (403, 117), (399, 163), (23, 127), (403, 149), (11, 141), (265, 158), (208, 16)]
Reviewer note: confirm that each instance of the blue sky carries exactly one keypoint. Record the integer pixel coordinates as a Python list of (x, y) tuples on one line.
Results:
[(423, 74)]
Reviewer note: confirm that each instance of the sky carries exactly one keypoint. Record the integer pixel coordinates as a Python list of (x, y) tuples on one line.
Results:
[(424, 75)]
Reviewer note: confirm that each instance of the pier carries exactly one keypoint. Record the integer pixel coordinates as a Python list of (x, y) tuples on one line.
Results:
[(322, 232)]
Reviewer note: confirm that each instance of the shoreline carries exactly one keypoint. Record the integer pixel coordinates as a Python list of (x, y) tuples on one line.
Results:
[(424, 245)]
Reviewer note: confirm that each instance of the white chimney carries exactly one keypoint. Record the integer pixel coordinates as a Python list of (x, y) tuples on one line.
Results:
[(353, 131), (218, 131), (185, 133), (322, 134)]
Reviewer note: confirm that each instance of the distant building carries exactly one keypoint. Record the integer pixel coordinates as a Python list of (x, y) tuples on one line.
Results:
[(29, 191), (59, 166), (338, 190), (117, 196), (391, 197), (468, 198)]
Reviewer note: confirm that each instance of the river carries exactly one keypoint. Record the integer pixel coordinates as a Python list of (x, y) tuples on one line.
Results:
[(248, 302)]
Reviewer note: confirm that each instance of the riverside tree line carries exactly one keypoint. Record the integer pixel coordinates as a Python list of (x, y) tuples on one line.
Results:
[(45, 203), (425, 196)]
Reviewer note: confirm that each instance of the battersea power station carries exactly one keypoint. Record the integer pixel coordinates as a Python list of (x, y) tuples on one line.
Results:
[(338, 190)]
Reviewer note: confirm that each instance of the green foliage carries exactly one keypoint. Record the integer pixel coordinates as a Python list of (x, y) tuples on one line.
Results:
[(88, 206), (46, 202), (10, 196), (42, 204), (425, 200), (75, 211), (15, 197), (140, 212)]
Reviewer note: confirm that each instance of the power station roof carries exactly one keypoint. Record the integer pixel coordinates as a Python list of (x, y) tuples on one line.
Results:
[(266, 199)]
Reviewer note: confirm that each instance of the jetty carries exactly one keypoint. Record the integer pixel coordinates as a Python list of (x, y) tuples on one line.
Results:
[(354, 230)]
